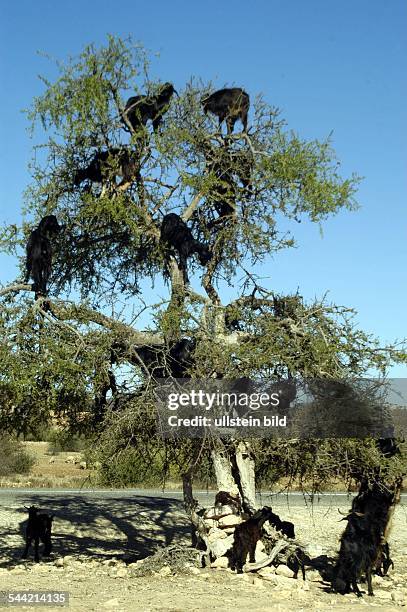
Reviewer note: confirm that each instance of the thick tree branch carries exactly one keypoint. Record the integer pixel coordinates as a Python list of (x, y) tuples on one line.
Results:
[(16, 288), (189, 211), (83, 314)]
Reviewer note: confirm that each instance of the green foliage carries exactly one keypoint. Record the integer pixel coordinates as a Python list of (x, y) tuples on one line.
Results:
[(48, 371), (314, 464), (63, 440), (110, 238), (14, 458), (126, 469)]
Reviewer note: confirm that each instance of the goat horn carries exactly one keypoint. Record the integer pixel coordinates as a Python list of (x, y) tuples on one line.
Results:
[(343, 513)]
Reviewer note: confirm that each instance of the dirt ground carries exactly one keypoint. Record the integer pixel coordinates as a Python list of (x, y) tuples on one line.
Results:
[(99, 542)]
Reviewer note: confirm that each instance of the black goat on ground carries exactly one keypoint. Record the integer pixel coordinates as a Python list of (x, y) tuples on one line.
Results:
[(285, 527), (230, 104), (106, 165), (246, 536), (297, 560), (291, 555), (176, 234), (140, 109), (360, 547), (38, 528), (363, 543), (39, 254), (380, 500)]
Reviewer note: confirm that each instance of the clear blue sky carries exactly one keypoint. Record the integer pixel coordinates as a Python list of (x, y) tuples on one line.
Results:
[(328, 65)]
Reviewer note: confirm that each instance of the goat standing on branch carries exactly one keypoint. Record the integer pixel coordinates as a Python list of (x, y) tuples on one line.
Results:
[(227, 169), (230, 104), (140, 109), (39, 254), (174, 361), (106, 165)]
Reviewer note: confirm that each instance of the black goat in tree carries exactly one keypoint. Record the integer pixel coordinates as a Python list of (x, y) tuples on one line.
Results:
[(173, 361), (176, 234), (140, 109), (105, 165), (39, 254), (228, 168), (230, 104)]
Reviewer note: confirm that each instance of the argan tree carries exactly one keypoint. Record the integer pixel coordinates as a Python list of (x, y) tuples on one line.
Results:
[(88, 353)]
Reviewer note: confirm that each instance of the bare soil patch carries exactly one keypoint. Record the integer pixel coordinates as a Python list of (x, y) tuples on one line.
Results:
[(98, 544)]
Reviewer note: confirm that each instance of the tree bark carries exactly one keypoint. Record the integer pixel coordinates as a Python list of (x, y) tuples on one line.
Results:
[(234, 471), (223, 469), (245, 466)]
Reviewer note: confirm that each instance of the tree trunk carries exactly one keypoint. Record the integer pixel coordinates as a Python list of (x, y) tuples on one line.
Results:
[(223, 469), (245, 466), (234, 471)]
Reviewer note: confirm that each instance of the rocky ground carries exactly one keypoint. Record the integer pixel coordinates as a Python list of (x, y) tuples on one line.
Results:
[(98, 545)]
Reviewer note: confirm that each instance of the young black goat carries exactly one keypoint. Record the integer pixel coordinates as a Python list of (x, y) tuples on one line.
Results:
[(246, 536), (176, 234), (106, 165), (140, 109), (230, 104), (39, 254), (38, 528), (297, 560), (285, 527)]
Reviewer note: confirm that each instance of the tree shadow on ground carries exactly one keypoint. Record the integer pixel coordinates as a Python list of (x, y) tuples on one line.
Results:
[(128, 528)]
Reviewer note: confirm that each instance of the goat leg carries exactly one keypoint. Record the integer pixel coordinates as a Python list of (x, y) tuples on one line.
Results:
[(27, 546), (47, 546), (369, 581), (37, 543), (356, 588)]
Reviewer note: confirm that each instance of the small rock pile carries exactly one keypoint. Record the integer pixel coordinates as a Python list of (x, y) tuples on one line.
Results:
[(221, 521)]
